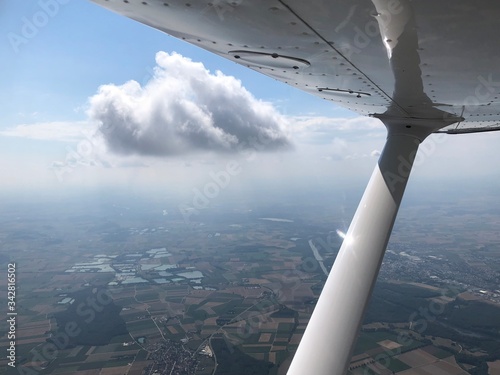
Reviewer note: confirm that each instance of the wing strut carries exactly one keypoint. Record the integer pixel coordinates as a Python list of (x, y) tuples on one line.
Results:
[(329, 338)]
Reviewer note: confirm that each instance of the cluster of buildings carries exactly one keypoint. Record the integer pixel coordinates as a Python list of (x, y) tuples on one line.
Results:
[(170, 357)]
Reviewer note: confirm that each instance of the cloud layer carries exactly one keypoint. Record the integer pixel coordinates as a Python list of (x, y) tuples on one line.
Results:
[(64, 131), (183, 109), (323, 130)]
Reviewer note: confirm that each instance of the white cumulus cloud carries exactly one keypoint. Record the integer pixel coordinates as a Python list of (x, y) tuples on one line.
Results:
[(183, 109)]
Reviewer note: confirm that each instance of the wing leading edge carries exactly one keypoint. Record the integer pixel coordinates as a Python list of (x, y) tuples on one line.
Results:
[(411, 60)]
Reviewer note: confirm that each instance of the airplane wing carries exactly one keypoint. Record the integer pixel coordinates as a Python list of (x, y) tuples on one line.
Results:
[(340, 50), (419, 66)]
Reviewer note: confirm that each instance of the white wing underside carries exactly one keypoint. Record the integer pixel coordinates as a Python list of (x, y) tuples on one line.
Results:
[(440, 59)]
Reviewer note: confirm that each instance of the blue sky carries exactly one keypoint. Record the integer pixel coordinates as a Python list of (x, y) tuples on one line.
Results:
[(83, 46), (50, 72)]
